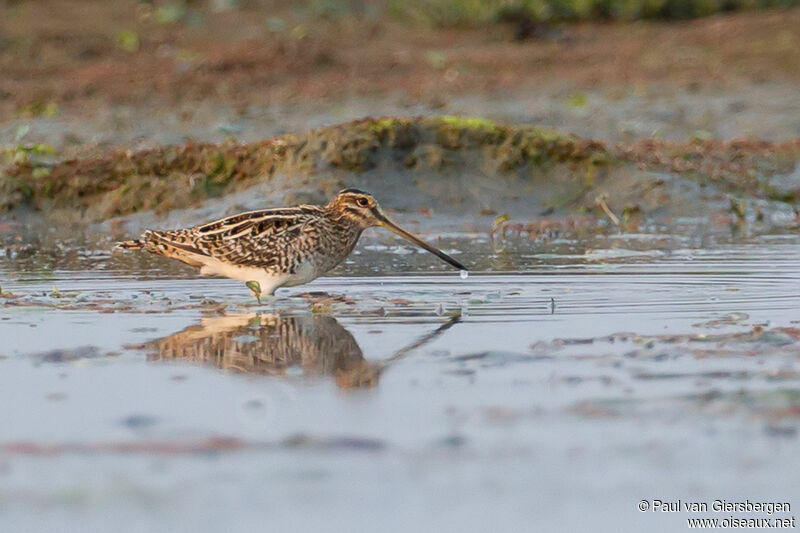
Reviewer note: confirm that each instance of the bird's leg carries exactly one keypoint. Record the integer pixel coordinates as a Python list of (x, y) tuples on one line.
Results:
[(256, 288)]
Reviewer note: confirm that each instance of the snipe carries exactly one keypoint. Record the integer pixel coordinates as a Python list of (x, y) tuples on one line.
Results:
[(279, 247)]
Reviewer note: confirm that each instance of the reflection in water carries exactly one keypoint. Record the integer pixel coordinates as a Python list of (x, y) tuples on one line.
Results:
[(272, 344)]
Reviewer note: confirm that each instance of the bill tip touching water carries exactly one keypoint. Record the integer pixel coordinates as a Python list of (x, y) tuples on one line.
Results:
[(279, 247)]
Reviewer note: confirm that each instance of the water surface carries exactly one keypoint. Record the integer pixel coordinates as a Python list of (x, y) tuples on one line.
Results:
[(559, 384)]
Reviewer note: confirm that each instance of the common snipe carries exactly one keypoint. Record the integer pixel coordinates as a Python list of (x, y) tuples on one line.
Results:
[(279, 247)]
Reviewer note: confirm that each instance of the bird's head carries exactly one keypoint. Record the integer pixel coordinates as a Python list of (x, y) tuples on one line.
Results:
[(360, 208)]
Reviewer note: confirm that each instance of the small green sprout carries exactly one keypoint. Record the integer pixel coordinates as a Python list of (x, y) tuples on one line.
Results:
[(256, 288)]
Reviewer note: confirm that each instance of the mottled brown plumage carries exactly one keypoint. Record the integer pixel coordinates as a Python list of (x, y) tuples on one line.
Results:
[(277, 247), (269, 344), (272, 344)]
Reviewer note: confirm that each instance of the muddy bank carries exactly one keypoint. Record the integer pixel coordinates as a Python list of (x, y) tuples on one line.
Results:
[(450, 163), (124, 182)]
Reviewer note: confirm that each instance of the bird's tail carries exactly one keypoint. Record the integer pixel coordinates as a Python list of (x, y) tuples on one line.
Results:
[(136, 244), (163, 243)]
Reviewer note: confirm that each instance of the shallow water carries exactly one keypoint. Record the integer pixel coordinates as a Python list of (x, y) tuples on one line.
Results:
[(559, 384)]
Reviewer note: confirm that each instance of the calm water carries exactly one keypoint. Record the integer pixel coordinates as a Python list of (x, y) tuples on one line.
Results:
[(558, 385)]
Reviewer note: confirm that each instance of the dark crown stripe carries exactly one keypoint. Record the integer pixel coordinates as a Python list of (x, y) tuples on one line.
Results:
[(352, 190)]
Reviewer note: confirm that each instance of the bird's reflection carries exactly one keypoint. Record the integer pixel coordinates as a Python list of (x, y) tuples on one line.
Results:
[(273, 344)]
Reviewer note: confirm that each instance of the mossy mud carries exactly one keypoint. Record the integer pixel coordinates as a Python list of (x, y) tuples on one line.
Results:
[(455, 161)]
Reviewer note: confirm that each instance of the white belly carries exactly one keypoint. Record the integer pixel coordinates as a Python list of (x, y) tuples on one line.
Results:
[(269, 282)]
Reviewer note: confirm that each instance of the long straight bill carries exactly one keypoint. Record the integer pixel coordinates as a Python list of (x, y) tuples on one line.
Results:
[(391, 226)]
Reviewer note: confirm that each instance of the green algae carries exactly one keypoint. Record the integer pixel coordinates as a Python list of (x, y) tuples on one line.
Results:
[(420, 149), (168, 177)]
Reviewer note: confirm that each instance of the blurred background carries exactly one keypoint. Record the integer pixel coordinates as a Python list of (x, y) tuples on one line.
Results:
[(621, 177), (80, 75)]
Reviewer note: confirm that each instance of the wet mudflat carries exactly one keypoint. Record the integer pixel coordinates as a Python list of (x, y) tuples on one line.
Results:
[(629, 330), (603, 369)]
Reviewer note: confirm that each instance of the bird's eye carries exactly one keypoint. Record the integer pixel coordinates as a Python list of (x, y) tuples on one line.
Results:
[(363, 202)]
